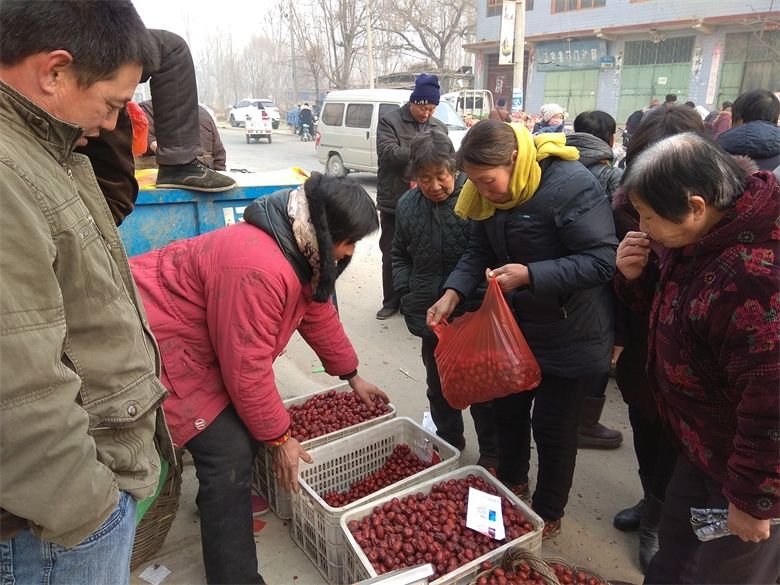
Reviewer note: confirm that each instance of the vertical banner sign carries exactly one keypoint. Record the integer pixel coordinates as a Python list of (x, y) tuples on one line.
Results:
[(507, 45), (712, 86)]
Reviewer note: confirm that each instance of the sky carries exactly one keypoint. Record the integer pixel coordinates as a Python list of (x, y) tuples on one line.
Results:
[(194, 19)]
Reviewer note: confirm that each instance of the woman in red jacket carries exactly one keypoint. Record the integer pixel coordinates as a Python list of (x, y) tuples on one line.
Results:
[(712, 351), (222, 307)]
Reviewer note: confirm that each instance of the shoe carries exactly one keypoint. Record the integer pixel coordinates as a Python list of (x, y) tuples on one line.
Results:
[(521, 490), (648, 532), (552, 528), (629, 519), (488, 462), (194, 176), (259, 505), (591, 434), (385, 313)]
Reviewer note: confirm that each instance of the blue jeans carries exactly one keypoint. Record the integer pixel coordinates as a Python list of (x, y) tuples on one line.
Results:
[(103, 557)]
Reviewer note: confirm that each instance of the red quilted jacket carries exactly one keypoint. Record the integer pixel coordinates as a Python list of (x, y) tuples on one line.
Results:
[(222, 307), (714, 348)]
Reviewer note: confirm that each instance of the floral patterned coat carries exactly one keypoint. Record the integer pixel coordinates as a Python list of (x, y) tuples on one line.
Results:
[(714, 347)]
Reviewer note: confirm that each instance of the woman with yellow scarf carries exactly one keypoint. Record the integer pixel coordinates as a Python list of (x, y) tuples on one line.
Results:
[(544, 230)]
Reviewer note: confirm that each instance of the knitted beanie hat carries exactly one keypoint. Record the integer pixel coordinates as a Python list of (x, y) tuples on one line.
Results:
[(426, 90), (549, 110)]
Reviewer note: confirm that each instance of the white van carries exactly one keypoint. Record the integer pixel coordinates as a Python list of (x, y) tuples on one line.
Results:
[(346, 131)]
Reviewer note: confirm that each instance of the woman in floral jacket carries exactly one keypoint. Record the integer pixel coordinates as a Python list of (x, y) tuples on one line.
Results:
[(712, 351)]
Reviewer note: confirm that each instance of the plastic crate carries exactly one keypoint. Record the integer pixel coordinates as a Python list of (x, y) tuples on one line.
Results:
[(414, 576), (337, 465), (358, 567), (263, 478)]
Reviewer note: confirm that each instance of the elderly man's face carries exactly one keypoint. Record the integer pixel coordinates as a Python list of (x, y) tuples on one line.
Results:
[(421, 112), (96, 106)]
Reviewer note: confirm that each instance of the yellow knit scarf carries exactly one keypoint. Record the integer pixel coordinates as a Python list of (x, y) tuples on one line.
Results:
[(526, 174)]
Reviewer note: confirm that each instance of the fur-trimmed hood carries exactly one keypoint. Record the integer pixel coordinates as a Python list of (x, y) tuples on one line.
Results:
[(270, 214)]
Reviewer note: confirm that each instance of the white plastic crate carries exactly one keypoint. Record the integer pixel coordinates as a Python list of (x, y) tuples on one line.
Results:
[(414, 576), (358, 567), (263, 478), (337, 465)]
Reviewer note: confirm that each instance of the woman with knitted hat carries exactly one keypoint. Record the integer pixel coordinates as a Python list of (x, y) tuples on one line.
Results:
[(553, 116), (543, 228)]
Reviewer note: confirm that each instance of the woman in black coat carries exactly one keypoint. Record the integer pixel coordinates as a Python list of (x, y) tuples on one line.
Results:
[(544, 229)]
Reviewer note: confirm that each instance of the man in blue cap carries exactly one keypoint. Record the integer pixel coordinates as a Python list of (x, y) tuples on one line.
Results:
[(394, 134)]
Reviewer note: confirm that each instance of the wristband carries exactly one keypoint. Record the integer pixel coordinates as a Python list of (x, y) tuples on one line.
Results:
[(280, 441), (347, 377)]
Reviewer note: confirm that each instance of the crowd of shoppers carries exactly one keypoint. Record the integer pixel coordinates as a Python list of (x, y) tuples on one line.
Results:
[(668, 272)]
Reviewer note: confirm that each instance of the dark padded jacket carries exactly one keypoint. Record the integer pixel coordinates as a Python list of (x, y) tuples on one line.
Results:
[(597, 157), (394, 132), (759, 140), (429, 240), (566, 237)]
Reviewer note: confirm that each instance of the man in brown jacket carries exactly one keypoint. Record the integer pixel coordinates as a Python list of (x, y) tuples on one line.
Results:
[(80, 416)]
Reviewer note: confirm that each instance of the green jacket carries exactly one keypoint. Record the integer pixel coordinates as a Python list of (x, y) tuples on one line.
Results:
[(80, 397)]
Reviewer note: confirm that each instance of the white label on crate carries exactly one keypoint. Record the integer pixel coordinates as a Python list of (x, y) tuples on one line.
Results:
[(484, 514), (427, 422), (155, 574)]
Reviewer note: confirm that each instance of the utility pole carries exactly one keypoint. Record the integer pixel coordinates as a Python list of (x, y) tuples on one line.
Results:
[(518, 99), (370, 42)]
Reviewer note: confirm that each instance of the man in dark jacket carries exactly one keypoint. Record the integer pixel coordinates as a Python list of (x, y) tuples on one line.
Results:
[(594, 135), (754, 131), (394, 133), (429, 240)]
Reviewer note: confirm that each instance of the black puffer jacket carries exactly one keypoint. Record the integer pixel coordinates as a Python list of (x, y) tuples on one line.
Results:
[(393, 135), (597, 157), (566, 237), (429, 240), (759, 140)]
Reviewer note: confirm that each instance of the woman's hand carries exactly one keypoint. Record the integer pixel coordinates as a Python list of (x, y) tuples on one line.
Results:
[(286, 458), (443, 308), (632, 254), (510, 276), (748, 528), (366, 391)]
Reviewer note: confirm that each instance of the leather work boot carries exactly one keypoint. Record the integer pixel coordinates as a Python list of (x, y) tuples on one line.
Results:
[(648, 532), (629, 518), (194, 176), (591, 434)]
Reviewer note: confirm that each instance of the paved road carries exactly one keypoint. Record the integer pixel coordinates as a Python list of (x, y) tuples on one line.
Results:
[(285, 151)]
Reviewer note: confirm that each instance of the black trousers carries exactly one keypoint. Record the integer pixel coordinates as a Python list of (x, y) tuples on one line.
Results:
[(223, 454), (556, 404), (655, 453), (175, 100), (683, 558), (449, 421), (596, 385), (390, 298)]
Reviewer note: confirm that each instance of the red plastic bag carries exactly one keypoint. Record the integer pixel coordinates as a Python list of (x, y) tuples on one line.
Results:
[(483, 355)]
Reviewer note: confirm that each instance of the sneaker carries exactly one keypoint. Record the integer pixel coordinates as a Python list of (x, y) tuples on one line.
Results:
[(194, 176), (386, 313), (259, 505), (552, 528)]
